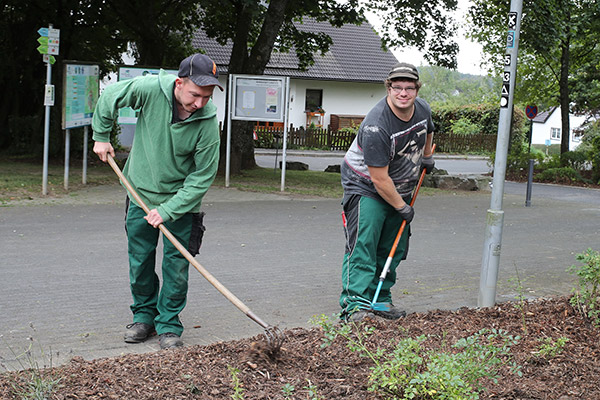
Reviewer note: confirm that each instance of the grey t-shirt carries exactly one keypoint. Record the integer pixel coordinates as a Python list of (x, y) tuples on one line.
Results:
[(384, 139)]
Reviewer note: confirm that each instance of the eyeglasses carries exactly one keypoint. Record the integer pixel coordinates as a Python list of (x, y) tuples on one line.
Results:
[(409, 90)]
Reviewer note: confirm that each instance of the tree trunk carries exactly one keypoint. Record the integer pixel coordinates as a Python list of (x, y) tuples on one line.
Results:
[(563, 84), (242, 144)]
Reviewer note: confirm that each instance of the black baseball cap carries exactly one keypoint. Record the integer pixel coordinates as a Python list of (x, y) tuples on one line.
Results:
[(404, 70), (201, 70)]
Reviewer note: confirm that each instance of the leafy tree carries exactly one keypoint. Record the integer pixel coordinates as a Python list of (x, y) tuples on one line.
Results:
[(558, 39), (84, 36)]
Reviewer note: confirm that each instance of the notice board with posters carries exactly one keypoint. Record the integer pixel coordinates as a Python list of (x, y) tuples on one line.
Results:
[(258, 98), (80, 94), (127, 115)]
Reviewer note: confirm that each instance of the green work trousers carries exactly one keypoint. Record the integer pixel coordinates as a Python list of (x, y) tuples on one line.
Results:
[(152, 304), (371, 227)]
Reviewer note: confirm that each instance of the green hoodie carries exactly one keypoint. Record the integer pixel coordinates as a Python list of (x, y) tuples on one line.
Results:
[(171, 165)]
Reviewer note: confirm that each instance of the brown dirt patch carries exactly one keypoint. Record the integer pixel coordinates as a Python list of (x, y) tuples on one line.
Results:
[(203, 372)]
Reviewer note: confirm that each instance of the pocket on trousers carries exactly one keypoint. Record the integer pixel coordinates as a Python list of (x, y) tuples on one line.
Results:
[(197, 234)]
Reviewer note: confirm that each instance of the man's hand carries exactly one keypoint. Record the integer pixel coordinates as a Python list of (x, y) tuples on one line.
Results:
[(154, 218), (427, 164), (102, 149), (406, 212)]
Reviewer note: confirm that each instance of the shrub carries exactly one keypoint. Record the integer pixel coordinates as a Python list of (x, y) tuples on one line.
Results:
[(586, 297)]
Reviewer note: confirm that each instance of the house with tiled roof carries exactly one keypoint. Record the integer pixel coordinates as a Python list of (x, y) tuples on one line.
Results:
[(547, 128), (341, 86)]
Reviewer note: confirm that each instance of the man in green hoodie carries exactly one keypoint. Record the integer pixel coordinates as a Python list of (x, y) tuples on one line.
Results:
[(172, 163)]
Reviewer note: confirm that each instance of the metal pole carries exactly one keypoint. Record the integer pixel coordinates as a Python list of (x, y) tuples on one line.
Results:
[(67, 151), (46, 130), (529, 184), (228, 150), (285, 131), (85, 154), (495, 215)]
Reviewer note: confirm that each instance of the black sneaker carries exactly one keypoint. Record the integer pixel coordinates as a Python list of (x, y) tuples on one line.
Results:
[(138, 332), (388, 311), (169, 340)]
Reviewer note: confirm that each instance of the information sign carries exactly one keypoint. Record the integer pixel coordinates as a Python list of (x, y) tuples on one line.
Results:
[(80, 94)]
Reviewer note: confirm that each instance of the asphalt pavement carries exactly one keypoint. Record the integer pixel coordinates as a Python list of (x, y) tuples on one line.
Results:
[(64, 278)]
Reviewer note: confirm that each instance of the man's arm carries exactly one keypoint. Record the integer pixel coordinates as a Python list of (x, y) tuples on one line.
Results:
[(385, 186)]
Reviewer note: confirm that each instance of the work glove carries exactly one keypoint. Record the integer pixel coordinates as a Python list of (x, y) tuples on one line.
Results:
[(407, 213), (427, 164)]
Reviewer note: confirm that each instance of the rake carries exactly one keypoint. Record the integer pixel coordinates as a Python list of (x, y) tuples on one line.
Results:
[(274, 336)]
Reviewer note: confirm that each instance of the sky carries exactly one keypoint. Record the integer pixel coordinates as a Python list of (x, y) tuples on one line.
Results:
[(469, 54)]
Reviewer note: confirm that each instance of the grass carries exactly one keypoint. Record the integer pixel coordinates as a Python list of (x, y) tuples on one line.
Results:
[(21, 179)]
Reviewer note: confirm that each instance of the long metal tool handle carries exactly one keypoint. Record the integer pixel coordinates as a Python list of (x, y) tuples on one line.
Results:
[(211, 279), (388, 261)]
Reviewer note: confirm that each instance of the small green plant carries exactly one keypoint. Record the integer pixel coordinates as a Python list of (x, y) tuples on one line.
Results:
[(35, 382), (312, 390), (586, 296), (521, 304), (288, 391), (238, 390), (549, 348), (408, 371)]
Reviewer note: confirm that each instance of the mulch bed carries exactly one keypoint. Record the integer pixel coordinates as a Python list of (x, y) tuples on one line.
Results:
[(335, 372)]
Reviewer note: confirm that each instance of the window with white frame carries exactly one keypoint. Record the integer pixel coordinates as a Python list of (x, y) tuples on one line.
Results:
[(577, 134), (555, 133)]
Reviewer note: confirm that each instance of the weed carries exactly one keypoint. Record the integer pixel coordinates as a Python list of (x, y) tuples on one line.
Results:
[(238, 390), (288, 390), (522, 303), (409, 371), (586, 297), (312, 391), (35, 382), (550, 348)]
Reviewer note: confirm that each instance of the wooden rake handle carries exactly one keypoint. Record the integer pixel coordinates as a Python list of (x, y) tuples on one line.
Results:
[(209, 277)]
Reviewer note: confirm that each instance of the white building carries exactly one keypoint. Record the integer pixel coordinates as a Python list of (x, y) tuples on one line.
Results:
[(547, 128)]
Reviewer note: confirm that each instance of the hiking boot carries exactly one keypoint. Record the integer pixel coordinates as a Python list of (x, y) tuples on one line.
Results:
[(388, 311), (138, 332), (360, 315), (169, 340)]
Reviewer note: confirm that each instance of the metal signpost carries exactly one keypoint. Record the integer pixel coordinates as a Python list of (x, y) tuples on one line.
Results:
[(531, 112), (80, 95), (495, 215), (258, 98), (49, 43)]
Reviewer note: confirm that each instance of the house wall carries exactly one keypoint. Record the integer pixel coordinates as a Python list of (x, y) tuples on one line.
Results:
[(542, 131), (343, 98)]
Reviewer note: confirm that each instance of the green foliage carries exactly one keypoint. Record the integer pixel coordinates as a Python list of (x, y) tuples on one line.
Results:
[(566, 175), (586, 297), (410, 371), (446, 87), (463, 126), (238, 390), (549, 348)]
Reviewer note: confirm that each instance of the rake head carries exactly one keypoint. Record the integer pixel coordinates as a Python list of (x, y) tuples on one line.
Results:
[(275, 339)]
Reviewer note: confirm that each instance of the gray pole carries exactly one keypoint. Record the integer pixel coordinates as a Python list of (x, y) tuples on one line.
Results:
[(46, 130), (495, 215)]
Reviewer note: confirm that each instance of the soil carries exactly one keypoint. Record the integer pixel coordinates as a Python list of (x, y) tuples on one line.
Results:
[(336, 372)]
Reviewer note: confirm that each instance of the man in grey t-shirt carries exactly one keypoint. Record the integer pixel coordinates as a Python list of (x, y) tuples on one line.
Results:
[(379, 173)]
